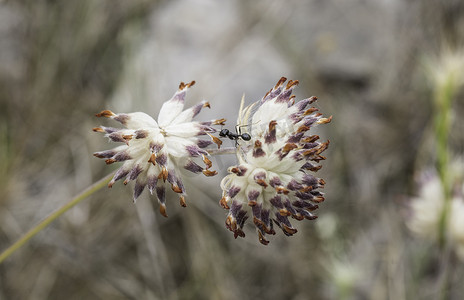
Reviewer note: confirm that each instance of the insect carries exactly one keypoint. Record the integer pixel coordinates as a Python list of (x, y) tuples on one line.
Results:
[(243, 121), (234, 136)]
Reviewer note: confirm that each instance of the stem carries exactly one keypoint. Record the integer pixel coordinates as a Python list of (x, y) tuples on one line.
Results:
[(230, 150), (443, 99), (448, 265), (31, 233)]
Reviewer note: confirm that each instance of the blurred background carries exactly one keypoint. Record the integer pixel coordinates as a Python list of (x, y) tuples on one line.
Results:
[(63, 61)]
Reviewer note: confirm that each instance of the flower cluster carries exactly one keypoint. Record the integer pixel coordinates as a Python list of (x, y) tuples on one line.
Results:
[(153, 152), (273, 180), (428, 206), (273, 177)]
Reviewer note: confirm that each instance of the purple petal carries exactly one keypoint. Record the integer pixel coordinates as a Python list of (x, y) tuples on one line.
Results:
[(138, 189), (193, 167)]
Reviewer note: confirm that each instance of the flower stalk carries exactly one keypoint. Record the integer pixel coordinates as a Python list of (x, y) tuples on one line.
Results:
[(53, 216), (447, 78), (443, 99)]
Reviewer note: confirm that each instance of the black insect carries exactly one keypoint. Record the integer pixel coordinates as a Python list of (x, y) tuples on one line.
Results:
[(234, 136)]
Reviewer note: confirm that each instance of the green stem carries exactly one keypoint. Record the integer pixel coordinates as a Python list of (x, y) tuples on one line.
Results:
[(443, 98), (447, 265), (31, 233)]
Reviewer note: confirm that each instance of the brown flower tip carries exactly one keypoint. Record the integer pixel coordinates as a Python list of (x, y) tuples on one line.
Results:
[(231, 223), (162, 210), (109, 161), (252, 203), (280, 82), (223, 203), (302, 128), (318, 199), (284, 212), (163, 174), (310, 139), (324, 120), (289, 230), (260, 224), (289, 147), (176, 189), (281, 190), (262, 183), (209, 173), (272, 125), (152, 159), (322, 147), (105, 113), (262, 240), (291, 83), (127, 137), (98, 129), (207, 162), (183, 85), (216, 140), (310, 111), (182, 201), (219, 122)]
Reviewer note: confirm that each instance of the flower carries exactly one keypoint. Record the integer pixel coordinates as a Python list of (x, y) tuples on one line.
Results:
[(153, 151), (272, 178), (446, 70), (427, 208), (456, 226)]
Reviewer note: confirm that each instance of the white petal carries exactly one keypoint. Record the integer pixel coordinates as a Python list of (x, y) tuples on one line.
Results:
[(183, 130), (188, 114), (181, 147), (138, 120), (172, 108), (269, 111), (288, 166)]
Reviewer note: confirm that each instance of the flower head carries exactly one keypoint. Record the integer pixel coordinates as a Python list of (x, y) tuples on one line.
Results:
[(427, 208), (273, 177), (447, 69), (153, 152)]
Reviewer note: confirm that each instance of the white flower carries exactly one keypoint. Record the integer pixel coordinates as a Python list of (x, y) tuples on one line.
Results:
[(456, 225), (344, 276), (447, 69), (427, 208), (272, 178), (153, 152)]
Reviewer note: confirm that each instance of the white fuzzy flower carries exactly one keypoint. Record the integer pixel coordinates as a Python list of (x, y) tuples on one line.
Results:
[(153, 152), (427, 208), (272, 178), (456, 225), (447, 69)]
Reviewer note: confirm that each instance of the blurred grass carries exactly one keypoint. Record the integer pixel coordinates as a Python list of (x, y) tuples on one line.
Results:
[(69, 60)]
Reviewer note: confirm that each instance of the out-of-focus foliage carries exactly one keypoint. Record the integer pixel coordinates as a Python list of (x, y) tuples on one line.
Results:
[(63, 61)]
